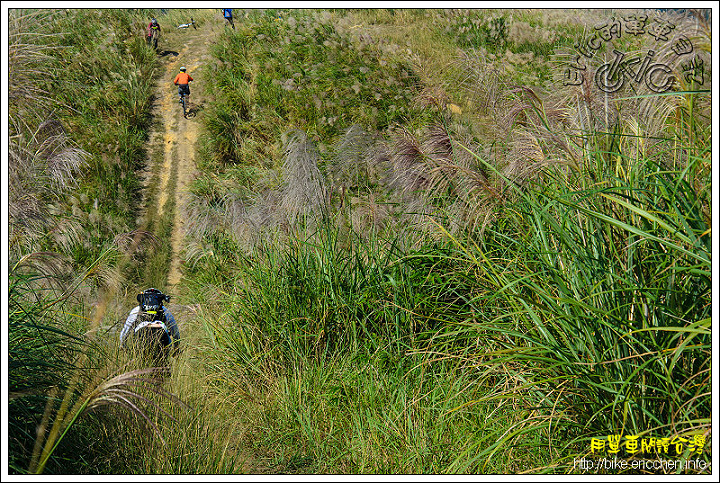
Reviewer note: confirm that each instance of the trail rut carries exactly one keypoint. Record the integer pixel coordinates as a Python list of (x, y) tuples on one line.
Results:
[(178, 136)]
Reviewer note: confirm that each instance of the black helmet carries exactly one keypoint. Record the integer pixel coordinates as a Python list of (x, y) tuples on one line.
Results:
[(153, 20), (152, 299), (183, 69)]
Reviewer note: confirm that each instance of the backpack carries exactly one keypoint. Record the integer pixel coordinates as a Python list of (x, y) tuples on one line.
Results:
[(150, 334)]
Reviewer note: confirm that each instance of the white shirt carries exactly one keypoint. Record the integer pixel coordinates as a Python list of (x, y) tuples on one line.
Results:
[(169, 323)]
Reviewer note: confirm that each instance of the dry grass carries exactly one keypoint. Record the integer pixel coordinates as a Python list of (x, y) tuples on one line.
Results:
[(303, 192), (40, 172), (43, 163), (28, 61)]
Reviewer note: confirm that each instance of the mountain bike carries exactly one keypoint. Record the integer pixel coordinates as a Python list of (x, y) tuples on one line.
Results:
[(154, 38), (186, 25), (152, 343), (183, 102)]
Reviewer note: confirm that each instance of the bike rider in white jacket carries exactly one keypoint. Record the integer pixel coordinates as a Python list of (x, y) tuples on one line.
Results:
[(157, 297)]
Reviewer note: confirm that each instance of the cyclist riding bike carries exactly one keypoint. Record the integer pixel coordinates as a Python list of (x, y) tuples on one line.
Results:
[(182, 80), (152, 30), (227, 13), (151, 327)]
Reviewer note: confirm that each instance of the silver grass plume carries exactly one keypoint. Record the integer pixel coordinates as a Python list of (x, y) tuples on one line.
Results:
[(135, 391), (409, 171), (352, 166), (481, 82), (40, 170), (537, 135), (368, 215), (458, 179), (28, 60), (303, 193)]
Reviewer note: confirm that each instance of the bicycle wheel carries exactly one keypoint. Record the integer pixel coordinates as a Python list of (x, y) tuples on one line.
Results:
[(155, 39), (184, 105)]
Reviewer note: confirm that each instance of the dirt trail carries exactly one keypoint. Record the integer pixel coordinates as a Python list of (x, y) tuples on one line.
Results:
[(172, 144), (177, 134)]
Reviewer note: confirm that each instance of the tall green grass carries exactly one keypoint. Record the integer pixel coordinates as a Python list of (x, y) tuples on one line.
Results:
[(89, 90), (584, 306), (574, 304), (594, 300), (82, 83), (558, 281), (325, 337), (605, 297), (586, 313), (67, 380)]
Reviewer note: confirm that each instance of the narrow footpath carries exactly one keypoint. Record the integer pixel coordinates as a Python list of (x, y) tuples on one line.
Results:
[(178, 135)]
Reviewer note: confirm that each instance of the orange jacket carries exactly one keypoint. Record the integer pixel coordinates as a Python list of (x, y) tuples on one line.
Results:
[(182, 78)]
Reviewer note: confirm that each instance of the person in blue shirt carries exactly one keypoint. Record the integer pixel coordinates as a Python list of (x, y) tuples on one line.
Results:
[(227, 13)]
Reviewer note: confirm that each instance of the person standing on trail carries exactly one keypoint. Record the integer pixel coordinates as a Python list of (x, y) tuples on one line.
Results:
[(150, 309), (152, 27), (227, 13), (182, 80)]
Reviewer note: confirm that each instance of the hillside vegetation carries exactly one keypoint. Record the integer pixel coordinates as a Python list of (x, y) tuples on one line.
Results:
[(417, 241)]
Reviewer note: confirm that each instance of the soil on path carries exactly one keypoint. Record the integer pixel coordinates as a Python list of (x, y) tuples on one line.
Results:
[(177, 134), (175, 138)]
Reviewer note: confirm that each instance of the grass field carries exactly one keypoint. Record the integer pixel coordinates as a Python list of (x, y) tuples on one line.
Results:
[(419, 241)]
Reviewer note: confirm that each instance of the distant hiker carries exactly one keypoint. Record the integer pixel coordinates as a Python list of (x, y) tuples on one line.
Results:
[(227, 13), (182, 80), (152, 28), (151, 321)]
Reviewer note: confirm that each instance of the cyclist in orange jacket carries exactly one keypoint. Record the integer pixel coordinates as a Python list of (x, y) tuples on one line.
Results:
[(182, 80)]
